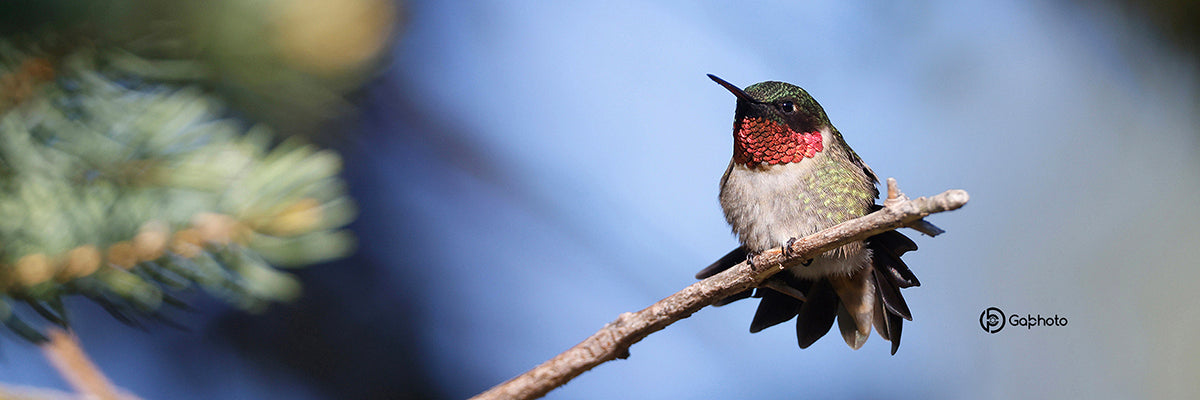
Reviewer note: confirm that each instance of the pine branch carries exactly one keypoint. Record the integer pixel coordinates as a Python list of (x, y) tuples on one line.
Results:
[(126, 191), (68, 357), (614, 339)]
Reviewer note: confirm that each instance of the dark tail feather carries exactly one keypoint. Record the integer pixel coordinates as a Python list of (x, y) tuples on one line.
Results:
[(894, 323), (776, 308), (886, 250), (879, 319), (891, 275), (849, 328), (858, 299), (816, 315), (895, 243), (889, 295), (734, 257)]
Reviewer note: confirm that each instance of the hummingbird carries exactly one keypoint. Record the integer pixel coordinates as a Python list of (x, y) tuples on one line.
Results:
[(792, 174)]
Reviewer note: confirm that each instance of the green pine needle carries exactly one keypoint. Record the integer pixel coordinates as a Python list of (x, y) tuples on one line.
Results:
[(124, 191)]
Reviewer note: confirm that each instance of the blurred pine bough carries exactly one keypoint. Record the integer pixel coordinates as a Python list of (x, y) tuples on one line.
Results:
[(126, 191)]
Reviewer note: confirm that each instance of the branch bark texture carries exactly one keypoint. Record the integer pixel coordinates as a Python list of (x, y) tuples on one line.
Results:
[(614, 339)]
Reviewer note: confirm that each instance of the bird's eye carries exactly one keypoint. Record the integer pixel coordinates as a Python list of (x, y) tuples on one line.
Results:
[(787, 107)]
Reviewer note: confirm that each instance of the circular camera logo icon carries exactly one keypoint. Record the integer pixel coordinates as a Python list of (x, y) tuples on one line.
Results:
[(992, 320)]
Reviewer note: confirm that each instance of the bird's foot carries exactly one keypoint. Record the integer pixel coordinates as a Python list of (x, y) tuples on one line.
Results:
[(787, 247), (787, 251)]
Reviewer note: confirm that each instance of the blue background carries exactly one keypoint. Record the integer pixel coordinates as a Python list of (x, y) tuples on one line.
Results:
[(527, 171)]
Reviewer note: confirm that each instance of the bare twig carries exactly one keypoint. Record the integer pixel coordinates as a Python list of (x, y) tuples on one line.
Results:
[(32, 393), (613, 340), (65, 353)]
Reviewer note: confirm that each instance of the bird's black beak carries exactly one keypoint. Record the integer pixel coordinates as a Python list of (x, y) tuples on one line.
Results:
[(732, 89)]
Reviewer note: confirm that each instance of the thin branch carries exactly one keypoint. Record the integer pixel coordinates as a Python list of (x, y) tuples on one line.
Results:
[(613, 340), (65, 353), (32, 393)]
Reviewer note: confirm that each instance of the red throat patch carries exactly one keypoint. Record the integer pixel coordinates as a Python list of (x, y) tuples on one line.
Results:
[(757, 140)]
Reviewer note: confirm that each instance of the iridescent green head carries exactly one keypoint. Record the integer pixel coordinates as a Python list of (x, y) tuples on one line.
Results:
[(775, 123)]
